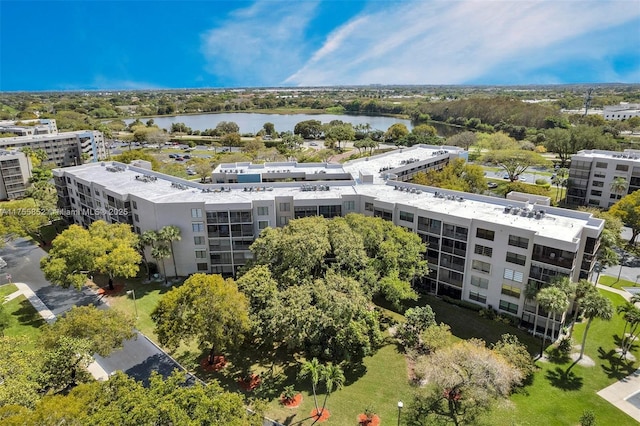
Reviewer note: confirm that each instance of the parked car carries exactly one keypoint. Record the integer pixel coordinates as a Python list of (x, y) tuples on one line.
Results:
[(173, 155), (186, 157), (492, 185)]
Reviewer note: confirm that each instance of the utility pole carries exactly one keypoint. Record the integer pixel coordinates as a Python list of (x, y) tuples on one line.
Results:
[(587, 100)]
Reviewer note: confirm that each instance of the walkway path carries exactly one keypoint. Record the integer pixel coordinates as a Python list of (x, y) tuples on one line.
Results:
[(627, 388), (94, 368)]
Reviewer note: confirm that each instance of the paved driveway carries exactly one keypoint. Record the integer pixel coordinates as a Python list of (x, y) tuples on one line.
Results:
[(139, 356)]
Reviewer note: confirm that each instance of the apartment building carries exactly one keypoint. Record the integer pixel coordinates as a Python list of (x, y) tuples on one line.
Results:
[(43, 126), (481, 249), (593, 172), (621, 112), (14, 174)]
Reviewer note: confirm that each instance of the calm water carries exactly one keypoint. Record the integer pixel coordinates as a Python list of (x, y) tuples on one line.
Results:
[(253, 122)]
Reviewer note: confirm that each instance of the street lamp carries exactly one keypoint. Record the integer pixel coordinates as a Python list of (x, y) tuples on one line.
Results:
[(400, 405), (636, 283), (135, 305)]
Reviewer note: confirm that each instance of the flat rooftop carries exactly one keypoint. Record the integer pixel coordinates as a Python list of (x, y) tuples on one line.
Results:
[(557, 224), (627, 154)]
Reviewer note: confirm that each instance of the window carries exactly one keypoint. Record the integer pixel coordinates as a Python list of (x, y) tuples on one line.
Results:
[(478, 297), (485, 234), (368, 207), (479, 282), (509, 290), (196, 213), (285, 207), (596, 192), (197, 227), (429, 225), (599, 175), (622, 168), (199, 241), (508, 307), (350, 205), (481, 266), (518, 241), (137, 230), (510, 274), (483, 250), (518, 259), (133, 203), (136, 218), (408, 217), (597, 184), (201, 254), (263, 211), (262, 224), (601, 165), (284, 220), (202, 266)]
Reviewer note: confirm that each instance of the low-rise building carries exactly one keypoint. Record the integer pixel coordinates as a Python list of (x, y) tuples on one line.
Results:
[(14, 174), (482, 249), (621, 112)]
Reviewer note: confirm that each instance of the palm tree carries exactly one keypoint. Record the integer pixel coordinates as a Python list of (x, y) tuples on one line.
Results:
[(560, 180), (147, 239), (631, 315), (553, 300), (531, 293), (29, 153), (595, 305), (583, 289), (159, 253), (169, 234), (313, 369), (619, 186), (333, 377), (569, 288)]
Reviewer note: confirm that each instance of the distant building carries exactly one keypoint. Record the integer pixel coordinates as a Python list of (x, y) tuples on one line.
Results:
[(29, 127), (621, 112), (593, 172), (14, 174), (481, 249)]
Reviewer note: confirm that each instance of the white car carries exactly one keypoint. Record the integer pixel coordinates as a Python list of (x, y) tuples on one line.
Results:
[(3, 263)]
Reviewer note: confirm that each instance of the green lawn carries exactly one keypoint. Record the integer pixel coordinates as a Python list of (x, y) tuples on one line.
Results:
[(613, 282), (6, 290), (559, 396), (25, 321)]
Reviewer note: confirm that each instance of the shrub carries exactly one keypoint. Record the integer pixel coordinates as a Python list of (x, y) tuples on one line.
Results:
[(463, 303), (541, 182), (588, 418), (488, 313)]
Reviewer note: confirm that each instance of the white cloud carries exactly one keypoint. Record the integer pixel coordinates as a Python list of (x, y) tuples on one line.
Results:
[(438, 42), (259, 44)]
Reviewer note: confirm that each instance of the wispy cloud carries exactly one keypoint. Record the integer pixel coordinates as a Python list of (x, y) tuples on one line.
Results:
[(260, 44), (437, 42), (101, 82)]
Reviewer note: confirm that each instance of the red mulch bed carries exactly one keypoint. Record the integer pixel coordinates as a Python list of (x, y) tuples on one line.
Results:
[(292, 403), (364, 421), (324, 416), (219, 362), (117, 289), (251, 384)]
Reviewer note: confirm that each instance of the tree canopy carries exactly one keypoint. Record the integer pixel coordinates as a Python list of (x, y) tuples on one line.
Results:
[(628, 210), (458, 175), (207, 308), (105, 248), (514, 161)]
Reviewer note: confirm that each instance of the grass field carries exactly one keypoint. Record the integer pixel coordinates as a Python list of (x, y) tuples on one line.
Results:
[(6, 290), (615, 283), (24, 320)]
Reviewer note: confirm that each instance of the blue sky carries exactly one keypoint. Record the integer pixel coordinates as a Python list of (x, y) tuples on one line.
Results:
[(63, 45)]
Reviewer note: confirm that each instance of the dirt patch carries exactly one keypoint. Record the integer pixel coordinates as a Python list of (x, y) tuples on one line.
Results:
[(251, 383), (322, 416), (363, 420), (218, 363)]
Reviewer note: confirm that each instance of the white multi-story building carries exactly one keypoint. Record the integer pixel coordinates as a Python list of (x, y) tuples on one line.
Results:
[(480, 248), (623, 111), (593, 172), (42, 126), (14, 174)]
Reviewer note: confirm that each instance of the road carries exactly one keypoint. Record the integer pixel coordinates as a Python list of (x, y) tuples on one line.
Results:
[(139, 357)]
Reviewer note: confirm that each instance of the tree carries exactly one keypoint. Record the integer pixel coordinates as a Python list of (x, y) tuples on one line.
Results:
[(269, 128), (631, 315), (129, 156), (558, 140), (19, 369), (169, 234), (514, 162), (104, 248), (252, 147), (628, 210), (418, 319), (21, 218), (308, 129), (159, 252), (463, 139), (594, 305), (333, 377), (560, 180), (336, 134), (619, 186), (65, 364), (292, 142), (516, 354), (314, 370), (464, 380), (396, 132), (583, 288), (554, 301), (227, 127), (457, 175), (202, 167), (231, 140), (104, 329), (207, 308)]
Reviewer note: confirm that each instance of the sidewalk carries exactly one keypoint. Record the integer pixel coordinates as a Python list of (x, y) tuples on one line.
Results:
[(94, 368), (627, 388)]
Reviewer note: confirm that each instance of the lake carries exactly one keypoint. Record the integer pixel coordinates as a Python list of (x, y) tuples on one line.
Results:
[(253, 122)]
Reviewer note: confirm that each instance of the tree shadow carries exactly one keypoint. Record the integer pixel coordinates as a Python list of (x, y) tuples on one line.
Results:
[(618, 368), (564, 380), (557, 356), (26, 315)]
